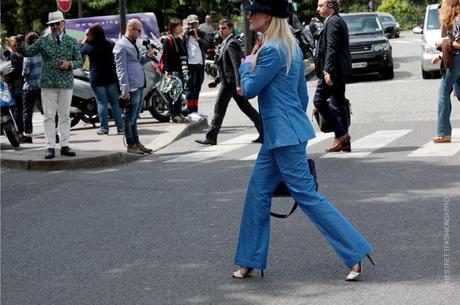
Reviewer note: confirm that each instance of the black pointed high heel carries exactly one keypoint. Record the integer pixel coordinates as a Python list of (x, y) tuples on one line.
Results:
[(353, 276), (237, 274)]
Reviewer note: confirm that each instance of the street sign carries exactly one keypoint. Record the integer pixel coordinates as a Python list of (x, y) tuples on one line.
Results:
[(64, 5)]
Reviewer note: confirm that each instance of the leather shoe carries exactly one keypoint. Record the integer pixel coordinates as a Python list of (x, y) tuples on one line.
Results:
[(340, 144), (143, 148), (258, 140), (206, 142), (49, 153), (66, 151)]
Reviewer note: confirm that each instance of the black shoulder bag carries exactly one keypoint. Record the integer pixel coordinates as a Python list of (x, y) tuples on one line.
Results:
[(283, 191)]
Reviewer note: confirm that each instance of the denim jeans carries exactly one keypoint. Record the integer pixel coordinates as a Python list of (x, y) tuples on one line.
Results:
[(450, 80), (18, 109), (131, 114), (105, 95), (30, 98)]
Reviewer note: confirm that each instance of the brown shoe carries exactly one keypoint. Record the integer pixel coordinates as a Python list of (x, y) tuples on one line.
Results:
[(133, 149), (340, 144), (442, 139), (143, 148)]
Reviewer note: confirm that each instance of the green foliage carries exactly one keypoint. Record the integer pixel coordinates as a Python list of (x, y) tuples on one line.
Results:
[(405, 12), (98, 4)]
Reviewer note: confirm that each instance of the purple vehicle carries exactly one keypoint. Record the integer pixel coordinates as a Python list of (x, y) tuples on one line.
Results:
[(111, 24)]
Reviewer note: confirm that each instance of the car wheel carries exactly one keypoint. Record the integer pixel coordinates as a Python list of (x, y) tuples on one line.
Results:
[(426, 75), (397, 35), (388, 73)]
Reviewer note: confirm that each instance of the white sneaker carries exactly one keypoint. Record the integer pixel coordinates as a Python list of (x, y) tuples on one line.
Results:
[(195, 117)]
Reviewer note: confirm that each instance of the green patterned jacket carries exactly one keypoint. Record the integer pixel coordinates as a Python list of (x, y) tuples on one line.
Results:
[(52, 76)]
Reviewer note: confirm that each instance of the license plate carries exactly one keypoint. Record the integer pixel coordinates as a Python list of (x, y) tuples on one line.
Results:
[(359, 65)]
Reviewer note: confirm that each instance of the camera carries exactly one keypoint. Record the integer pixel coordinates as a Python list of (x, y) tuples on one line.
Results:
[(184, 66), (191, 31)]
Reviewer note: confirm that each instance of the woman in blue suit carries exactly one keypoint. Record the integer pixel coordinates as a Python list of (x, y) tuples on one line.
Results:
[(276, 75)]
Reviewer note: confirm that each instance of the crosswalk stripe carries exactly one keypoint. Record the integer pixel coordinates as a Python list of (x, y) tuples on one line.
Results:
[(402, 41), (320, 136), (370, 143), (431, 149), (216, 150)]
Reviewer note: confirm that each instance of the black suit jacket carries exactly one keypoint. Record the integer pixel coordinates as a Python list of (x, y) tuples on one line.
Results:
[(229, 62), (333, 51)]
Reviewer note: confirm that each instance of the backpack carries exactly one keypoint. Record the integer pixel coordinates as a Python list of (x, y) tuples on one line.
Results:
[(161, 64)]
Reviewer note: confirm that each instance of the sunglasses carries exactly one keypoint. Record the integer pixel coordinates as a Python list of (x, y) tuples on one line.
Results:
[(55, 24), (223, 28)]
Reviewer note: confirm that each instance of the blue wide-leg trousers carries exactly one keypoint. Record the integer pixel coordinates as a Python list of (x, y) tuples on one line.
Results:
[(289, 164)]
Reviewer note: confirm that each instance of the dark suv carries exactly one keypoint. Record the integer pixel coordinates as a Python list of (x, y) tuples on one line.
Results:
[(370, 50)]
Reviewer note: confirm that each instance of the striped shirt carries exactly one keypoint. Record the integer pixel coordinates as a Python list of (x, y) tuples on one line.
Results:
[(31, 71)]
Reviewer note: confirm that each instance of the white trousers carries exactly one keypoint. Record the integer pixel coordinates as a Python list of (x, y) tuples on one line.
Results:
[(56, 100)]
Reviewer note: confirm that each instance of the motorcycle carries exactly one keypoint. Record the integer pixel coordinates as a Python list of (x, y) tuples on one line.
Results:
[(84, 106), (8, 124)]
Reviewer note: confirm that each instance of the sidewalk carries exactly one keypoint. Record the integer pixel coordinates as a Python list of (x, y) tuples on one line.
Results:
[(92, 149)]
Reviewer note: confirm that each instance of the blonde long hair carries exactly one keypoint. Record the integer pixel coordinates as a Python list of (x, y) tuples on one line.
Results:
[(449, 10), (279, 31)]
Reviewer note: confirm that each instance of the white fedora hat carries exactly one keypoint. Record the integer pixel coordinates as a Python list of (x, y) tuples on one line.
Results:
[(54, 17)]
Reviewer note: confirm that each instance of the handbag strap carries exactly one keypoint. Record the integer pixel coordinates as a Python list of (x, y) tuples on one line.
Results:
[(312, 167)]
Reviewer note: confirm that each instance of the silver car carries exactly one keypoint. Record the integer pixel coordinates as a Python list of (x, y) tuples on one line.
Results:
[(431, 33)]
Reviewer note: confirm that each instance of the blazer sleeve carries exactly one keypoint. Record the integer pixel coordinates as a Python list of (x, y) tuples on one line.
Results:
[(76, 59), (333, 32), (121, 67), (268, 65), (235, 57), (302, 90), (32, 50)]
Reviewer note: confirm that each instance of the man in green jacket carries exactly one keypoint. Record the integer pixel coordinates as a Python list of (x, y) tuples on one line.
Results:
[(61, 54)]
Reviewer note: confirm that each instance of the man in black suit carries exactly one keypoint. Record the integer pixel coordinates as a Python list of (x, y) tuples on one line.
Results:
[(333, 66), (228, 64)]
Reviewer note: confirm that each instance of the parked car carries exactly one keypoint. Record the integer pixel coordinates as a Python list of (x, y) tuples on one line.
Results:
[(370, 50), (431, 33), (390, 26)]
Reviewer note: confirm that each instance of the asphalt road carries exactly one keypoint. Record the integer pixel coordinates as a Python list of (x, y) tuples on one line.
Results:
[(163, 230)]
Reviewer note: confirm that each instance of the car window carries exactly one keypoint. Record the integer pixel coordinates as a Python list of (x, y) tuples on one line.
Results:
[(386, 18), (361, 25), (433, 22)]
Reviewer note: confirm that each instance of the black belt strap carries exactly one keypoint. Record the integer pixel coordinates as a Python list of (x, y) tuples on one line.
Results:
[(282, 191)]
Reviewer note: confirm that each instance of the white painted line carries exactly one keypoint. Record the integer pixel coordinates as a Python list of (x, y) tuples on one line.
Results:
[(209, 93), (102, 171), (402, 41), (215, 150), (320, 136), (431, 149), (365, 146)]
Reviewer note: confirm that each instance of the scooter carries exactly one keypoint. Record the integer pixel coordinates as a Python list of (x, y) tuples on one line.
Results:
[(8, 124), (84, 105)]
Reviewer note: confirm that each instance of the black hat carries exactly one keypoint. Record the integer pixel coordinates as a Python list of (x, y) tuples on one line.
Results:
[(277, 8)]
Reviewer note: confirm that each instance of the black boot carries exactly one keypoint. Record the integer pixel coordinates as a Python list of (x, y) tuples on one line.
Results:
[(66, 151), (49, 153)]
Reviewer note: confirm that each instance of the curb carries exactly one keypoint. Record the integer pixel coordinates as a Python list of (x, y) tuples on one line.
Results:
[(174, 133)]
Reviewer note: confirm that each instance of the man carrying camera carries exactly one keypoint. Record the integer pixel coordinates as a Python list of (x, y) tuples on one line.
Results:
[(61, 54), (197, 43), (129, 61)]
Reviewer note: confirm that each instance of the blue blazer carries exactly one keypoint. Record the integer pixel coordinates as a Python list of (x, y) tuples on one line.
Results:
[(282, 98), (129, 65)]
